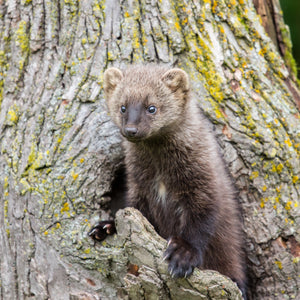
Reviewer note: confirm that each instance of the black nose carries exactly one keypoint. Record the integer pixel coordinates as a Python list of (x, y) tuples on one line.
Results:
[(130, 131)]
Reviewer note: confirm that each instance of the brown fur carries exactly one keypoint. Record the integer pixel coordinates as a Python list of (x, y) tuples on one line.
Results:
[(176, 176)]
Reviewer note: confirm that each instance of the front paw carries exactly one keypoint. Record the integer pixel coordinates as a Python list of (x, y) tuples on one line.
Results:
[(182, 257), (101, 230)]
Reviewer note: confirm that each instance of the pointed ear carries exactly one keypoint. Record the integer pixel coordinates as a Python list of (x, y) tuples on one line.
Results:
[(176, 79), (112, 77)]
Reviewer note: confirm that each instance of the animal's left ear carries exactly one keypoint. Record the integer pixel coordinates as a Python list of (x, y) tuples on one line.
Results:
[(176, 79), (112, 78)]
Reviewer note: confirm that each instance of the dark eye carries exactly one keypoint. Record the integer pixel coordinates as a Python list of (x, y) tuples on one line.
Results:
[(152, 109), (123, 109)]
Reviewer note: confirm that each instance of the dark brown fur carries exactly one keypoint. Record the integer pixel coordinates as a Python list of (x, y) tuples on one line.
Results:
[(176, 176)]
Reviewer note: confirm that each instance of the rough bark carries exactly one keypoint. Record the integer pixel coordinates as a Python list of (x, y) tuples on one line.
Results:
[(60, 151), (273, 22)]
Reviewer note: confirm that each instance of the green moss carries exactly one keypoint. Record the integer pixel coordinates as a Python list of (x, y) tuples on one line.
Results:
[(203, 58), (291, 62), (22, 38), (32, 154), (22, 41), (3, 69), (99, 11)]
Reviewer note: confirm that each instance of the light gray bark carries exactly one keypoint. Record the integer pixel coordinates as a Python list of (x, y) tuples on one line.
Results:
[(59, 150)]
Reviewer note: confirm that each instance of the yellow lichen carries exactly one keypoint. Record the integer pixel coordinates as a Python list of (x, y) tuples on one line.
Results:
[(65, 207), (177, 25), (13, 116), (279, 168), (288, 205), (254, 175), (215, 4), (296, 260), (87, 251), (22, 39), (288, 142), (5, 186), (74, 175), (279, 264)]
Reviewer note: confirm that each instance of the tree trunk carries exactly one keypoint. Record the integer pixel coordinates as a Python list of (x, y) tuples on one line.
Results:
[(272, 20), (60, 152)]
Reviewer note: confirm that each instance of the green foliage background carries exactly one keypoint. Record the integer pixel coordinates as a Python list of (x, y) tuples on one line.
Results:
[(291, 10)]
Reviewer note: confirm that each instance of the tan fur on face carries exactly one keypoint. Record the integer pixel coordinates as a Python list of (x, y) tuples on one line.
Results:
[(150, 85)]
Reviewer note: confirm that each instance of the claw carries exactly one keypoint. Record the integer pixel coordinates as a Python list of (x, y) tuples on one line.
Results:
[(172, 273), (108, 228), (182, 257), (101, 230), (92, 232)]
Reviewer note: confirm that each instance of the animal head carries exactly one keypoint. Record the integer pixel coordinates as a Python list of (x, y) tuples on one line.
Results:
[(146, 101)]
